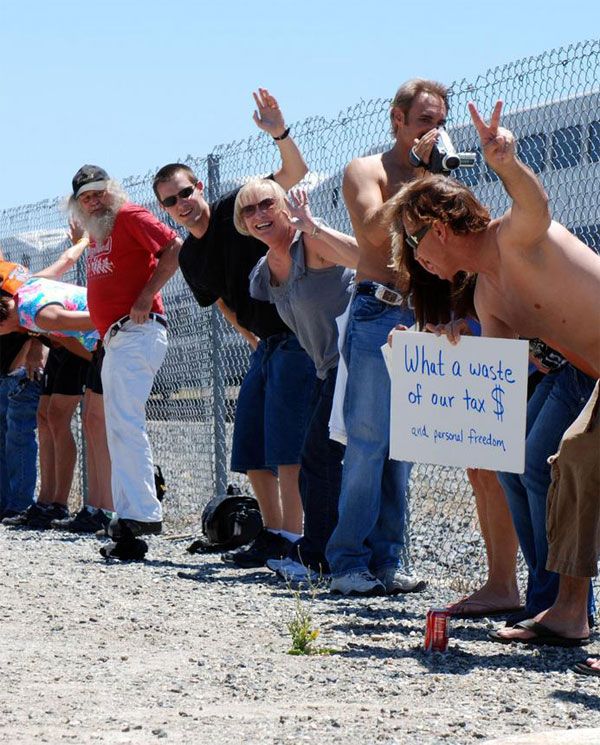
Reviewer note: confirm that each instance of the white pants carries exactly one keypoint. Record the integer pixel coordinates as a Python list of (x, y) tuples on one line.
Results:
[(131, 360)]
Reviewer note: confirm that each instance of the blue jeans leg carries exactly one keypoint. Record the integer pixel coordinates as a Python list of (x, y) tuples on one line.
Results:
[(19, 399), (372, 505), (248, 446), (320, 479), (290, 381), (555, 404)]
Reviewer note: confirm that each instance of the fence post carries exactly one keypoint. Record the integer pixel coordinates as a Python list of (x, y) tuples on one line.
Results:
[(80, 279), (218, 362)]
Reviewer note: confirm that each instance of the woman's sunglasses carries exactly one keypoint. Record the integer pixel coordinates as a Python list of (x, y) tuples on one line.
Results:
[(249, 209)]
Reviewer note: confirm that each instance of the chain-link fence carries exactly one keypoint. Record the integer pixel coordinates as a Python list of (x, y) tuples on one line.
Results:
[(552, 104)]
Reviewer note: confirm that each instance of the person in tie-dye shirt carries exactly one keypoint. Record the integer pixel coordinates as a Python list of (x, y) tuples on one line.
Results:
[(40, 304), (45, 306)]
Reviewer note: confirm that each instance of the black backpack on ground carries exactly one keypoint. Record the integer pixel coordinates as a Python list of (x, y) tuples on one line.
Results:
[(228, 521)]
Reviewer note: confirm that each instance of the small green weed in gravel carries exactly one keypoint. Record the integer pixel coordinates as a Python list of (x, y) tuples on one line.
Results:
[(301, 628)]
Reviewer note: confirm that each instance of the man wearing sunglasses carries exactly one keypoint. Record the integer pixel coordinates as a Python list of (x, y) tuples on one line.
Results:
[(216, 262), (130, 257), (535, 279)]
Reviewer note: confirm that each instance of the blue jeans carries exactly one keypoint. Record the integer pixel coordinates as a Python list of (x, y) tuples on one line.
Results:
[(272, 408), (19, 399), (554, 405), (370, 530), (320, 479)]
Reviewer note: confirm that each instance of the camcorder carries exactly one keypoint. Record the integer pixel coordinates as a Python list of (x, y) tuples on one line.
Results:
[(444, 158)]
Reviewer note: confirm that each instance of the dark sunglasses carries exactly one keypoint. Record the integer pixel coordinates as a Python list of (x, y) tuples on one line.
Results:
[(249, 209), (183, 194), (412, 241)]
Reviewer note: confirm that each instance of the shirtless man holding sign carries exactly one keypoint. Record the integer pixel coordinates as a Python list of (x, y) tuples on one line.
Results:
[(534, 279)]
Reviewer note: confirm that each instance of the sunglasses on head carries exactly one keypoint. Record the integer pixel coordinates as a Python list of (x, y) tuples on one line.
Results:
[(183, 194), (412, 241), (249, 209)]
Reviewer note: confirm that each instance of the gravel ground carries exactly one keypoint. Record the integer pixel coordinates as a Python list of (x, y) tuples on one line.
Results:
[(187, 649)]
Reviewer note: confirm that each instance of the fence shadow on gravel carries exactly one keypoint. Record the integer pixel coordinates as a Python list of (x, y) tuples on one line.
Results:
[(461, 662), (591, 701)]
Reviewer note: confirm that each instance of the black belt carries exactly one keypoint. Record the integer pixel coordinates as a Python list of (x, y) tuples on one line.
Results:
[(118, 325), (381, 292)]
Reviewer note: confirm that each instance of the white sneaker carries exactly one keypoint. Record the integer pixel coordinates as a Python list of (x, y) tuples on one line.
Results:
[(357, 583), (395, 582), (293, 571)]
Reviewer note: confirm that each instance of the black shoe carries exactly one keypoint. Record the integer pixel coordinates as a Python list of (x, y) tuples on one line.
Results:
[(122, 527), (126, 549), (83, 522), (38, 516), (265, 546), (8, 513)]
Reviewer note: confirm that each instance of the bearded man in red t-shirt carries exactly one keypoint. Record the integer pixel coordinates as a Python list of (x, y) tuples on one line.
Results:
[(130, 257)]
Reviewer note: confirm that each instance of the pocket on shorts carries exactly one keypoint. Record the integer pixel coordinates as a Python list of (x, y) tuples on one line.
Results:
[(25, 391)]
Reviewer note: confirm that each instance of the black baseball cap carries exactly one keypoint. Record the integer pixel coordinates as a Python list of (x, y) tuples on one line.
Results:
[(89, 178)]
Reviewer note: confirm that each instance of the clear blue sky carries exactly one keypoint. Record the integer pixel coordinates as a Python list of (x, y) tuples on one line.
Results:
[(133, 84)]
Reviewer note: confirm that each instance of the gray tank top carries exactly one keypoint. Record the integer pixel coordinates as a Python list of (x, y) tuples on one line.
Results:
[(308, 302)]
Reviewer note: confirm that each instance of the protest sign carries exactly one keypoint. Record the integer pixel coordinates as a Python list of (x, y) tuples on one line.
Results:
[(459, 405)]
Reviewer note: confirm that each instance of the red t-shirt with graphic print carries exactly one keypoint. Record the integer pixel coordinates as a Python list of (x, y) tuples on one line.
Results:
[(119, 268)]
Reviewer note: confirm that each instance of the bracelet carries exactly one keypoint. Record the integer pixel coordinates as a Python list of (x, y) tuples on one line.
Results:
[(315, 231), (283, 135)]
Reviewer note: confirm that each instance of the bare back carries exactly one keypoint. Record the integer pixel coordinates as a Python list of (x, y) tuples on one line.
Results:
[(549, 290), (368, 183)]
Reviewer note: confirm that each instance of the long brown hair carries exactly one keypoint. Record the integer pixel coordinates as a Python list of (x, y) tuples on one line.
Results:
[(423, 201)]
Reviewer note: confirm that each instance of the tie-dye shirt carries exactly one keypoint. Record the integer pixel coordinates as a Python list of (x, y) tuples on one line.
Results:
[(37, 292)]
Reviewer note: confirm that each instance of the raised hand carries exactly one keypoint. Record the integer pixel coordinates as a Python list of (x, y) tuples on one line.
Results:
[(76, 232), (268, 116), (79, 239), (300, 215), (497, 143), (422, 147)]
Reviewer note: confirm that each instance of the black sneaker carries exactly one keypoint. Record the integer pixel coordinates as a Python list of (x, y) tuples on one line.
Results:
[(127, 549), (126, 544), (265, 546), (38, 516), (83, 522)]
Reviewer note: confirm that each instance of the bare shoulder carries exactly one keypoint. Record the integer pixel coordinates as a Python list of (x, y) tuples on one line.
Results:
[(364, 182), (369, 166)]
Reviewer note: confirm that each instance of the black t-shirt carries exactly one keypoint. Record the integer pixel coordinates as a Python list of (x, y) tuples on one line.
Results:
[(10, 346), (218, 265)]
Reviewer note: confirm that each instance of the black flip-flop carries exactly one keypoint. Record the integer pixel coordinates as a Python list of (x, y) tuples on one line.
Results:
[(483, 613), (584, 669), (544, 637)]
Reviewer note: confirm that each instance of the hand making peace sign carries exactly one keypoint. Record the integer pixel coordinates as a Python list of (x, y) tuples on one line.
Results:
[(497, 143)]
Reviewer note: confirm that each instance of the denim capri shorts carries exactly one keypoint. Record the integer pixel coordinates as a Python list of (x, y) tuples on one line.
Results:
[(273, 406)]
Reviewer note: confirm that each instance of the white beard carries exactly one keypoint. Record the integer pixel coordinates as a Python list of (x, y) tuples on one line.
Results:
[(98, 228)]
